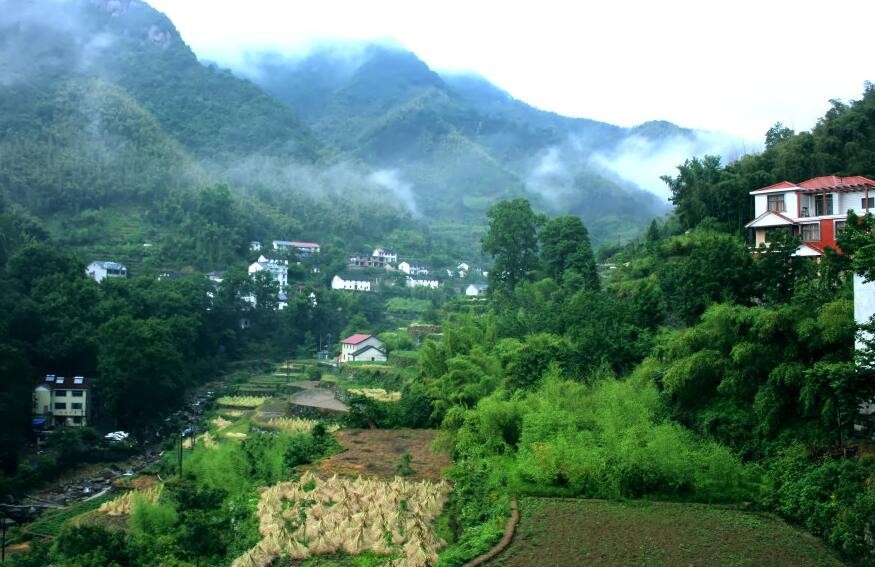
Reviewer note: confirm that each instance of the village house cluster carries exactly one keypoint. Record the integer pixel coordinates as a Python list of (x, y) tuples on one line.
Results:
[(364, 272)]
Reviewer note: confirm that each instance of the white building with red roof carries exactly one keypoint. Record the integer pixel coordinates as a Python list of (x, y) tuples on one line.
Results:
[(815, 209), (362, 347)]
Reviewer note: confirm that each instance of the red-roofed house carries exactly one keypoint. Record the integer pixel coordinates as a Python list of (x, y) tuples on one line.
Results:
[(361, 347), (814, 209)]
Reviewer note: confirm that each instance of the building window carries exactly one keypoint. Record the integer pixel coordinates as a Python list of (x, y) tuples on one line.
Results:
[(60, 405), (867, 203), (60, 393), (818, 205), (77, 419), (811, 232), (776, 203), (77, 406), (77, 393), (840, 226)]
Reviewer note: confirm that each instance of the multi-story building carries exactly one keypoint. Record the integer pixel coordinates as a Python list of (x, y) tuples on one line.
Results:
[(815, 209), (387, 256), (62, 401), (278, 269)]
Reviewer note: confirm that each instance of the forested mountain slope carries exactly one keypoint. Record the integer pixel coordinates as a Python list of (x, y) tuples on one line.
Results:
[(112, 128), (458, 140)]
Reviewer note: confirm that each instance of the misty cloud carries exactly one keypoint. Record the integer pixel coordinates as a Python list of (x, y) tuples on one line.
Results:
[(391, 179), (551, 176), (345, 181), (642, 160)]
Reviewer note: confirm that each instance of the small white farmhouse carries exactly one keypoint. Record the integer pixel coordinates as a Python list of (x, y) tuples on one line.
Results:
[(99, 270), (476, 290), (361, 347)]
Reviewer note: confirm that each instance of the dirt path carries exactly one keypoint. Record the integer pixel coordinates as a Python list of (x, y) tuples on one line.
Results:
[(314, 396)]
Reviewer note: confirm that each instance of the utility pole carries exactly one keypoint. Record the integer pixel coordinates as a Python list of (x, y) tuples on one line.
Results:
[(181, 436)]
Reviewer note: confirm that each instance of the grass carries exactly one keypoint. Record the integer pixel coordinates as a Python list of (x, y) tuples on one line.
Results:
[(587, 532)]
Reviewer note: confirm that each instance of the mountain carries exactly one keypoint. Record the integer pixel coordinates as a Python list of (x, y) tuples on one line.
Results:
[(112, 128), (458, 140)]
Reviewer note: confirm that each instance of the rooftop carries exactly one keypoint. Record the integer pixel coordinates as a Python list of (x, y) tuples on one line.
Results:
[(355, 339), (826, 182)]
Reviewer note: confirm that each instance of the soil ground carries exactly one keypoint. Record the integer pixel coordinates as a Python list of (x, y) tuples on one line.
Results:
[(564, 532), (377, 452), (314, 396)]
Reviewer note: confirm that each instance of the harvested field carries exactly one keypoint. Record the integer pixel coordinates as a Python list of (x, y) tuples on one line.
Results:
[(325, 516), (562, 532), (376, 452)]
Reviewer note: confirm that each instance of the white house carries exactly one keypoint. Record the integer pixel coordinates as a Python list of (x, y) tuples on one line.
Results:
[(255, 246), (386, 256), (100, 270), (217, 277), (411, 282), (302, 248), (279, 270), (350, 284), (361, 347), (476, 290), (412, 269), (463, 268), (815, 209)]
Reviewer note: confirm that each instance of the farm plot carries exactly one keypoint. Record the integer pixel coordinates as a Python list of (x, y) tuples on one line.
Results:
[(561, 532), (322, 516), (377, 452)]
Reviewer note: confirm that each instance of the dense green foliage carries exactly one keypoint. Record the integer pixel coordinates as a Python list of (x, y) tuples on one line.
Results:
[(841, 143)]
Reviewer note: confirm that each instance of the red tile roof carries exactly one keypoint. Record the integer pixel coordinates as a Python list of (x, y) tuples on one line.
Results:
[(835, 181), (355, 339)]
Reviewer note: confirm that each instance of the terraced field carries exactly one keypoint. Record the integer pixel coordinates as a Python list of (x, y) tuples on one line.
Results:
[(559, 532)]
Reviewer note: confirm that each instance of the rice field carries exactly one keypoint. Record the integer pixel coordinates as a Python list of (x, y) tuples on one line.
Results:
[(378, 394), (315, 516)]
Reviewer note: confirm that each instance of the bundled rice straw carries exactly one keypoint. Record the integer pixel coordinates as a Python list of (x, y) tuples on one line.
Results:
[(296, 425), (248, 402), (124, 504), (350, 515)]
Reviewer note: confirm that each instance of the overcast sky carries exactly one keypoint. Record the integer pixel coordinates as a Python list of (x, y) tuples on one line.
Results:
[(736, 67)]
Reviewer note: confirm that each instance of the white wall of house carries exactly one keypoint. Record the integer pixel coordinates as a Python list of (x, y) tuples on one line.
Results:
[(433, 284), (370, 354), (864, 308), (278, 272), (350, 285)]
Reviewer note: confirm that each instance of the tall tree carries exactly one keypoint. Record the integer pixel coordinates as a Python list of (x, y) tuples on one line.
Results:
[(512, 241), (566, 251)]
